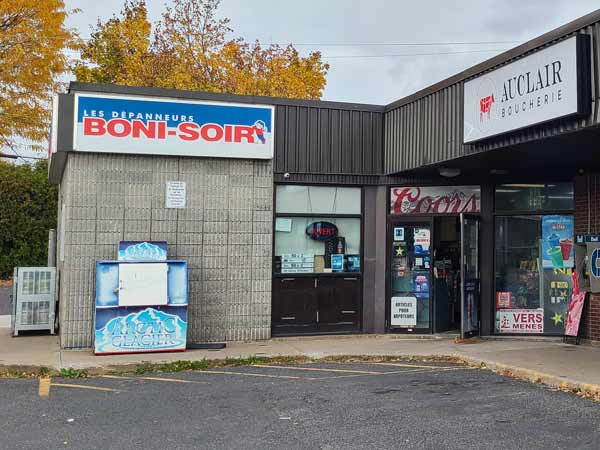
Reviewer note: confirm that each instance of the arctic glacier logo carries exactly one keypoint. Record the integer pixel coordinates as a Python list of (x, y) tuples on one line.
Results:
[(145, 330), (143, 251)]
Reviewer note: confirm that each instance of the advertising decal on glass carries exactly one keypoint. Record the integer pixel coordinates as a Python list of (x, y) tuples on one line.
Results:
[(504, 300), (558, 289), (160, 126), (398, 233), (557, 242), (470, 307), (421, 241), (435, 200), (525, 321), (404, 312)]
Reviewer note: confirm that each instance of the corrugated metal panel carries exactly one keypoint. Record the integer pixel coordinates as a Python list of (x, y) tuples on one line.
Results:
[(429, 129), (318, 140)]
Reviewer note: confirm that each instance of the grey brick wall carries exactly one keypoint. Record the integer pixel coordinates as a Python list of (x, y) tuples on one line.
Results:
[(225, 234)]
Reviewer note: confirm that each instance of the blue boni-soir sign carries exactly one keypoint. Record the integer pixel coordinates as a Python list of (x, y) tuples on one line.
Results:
[(157, 126)]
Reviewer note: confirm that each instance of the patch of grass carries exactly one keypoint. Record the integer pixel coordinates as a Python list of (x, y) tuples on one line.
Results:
[(70, 372), (248, 361), (172, 366), (44, 372)]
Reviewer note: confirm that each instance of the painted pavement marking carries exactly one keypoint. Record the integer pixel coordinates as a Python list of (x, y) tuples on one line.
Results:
[(82, 386), (44, 387), (165, 379), (319, 369)]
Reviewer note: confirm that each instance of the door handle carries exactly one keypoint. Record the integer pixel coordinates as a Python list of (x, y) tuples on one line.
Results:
[(350, 279), (288, 279), (316, 282)]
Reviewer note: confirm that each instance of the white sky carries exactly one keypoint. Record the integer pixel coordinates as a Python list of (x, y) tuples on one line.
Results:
[(356, 78), (336, 27)]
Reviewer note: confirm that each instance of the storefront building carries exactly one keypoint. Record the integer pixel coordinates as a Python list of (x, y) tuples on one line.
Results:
[(454, 209)]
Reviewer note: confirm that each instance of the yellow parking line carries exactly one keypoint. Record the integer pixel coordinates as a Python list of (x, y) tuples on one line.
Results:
[(44, 387), (410, 365), (319, 369), (171, 380), (394, 372), (246, 374), (167, 380), (81, 386)]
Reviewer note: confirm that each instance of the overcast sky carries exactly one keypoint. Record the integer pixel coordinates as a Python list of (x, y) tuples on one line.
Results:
[(335, 27)]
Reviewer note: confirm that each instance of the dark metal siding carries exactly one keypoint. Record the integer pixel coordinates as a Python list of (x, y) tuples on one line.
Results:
[(429, 129), (318, 140)]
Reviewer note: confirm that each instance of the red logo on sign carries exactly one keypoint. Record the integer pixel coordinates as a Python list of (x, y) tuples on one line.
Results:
[(485, 106)]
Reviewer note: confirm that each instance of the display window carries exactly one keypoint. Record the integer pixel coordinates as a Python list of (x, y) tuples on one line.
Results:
[(317, 230), (533, 268)]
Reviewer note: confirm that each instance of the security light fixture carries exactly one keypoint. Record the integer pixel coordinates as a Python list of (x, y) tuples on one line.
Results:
[(449, 172)]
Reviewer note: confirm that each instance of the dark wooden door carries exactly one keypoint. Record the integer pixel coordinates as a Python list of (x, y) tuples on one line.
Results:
[(294, 305), (338, 303)]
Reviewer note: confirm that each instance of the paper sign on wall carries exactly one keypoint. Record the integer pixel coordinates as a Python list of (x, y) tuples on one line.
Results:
[(404, 312), (525, 321), (175, 194)]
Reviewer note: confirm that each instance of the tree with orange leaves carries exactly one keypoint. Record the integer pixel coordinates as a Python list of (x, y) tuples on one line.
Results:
[(32, 39), (190, 48)]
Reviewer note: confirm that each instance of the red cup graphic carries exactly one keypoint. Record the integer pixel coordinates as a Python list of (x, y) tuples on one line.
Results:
[(565, 247)]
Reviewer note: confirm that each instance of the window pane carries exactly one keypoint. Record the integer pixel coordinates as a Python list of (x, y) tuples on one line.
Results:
[(530, 299), (317, 200), (534, 197), (297, 252)]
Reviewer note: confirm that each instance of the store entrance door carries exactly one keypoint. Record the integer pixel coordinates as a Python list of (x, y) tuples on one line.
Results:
[(470, 276), (409, 307), (434, 274), (446, 274)]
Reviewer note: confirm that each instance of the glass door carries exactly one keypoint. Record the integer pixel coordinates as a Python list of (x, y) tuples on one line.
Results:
[(410, 274), (470, 278)]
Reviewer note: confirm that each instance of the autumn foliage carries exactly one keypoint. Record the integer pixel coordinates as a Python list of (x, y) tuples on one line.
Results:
[(191, 48), (32, 40)]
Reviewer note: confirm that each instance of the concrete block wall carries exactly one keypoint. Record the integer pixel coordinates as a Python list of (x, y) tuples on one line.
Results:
[(587, 221), (224, 233)]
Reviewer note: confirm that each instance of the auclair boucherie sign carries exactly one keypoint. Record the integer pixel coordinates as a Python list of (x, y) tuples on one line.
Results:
[(549, 84), (435, 200)]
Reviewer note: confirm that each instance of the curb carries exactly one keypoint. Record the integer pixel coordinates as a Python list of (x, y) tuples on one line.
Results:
[(534, 376)]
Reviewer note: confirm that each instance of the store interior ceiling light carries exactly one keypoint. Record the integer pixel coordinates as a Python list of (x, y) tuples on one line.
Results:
[(449, 172)]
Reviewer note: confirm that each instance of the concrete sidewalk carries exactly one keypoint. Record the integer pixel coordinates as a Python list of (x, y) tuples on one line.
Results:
[(547, 361)]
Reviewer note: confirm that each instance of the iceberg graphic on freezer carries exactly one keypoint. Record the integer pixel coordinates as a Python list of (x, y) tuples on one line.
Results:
[(145, 330), (142, 251)]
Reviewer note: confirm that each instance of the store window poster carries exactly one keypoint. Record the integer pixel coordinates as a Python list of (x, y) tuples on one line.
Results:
[(421, 240), (557, 242)]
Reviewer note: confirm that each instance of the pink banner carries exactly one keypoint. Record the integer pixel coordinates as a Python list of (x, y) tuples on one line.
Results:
[(574, 316)]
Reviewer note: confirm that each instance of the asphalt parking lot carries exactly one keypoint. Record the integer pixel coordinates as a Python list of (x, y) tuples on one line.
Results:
[(396, 405)]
